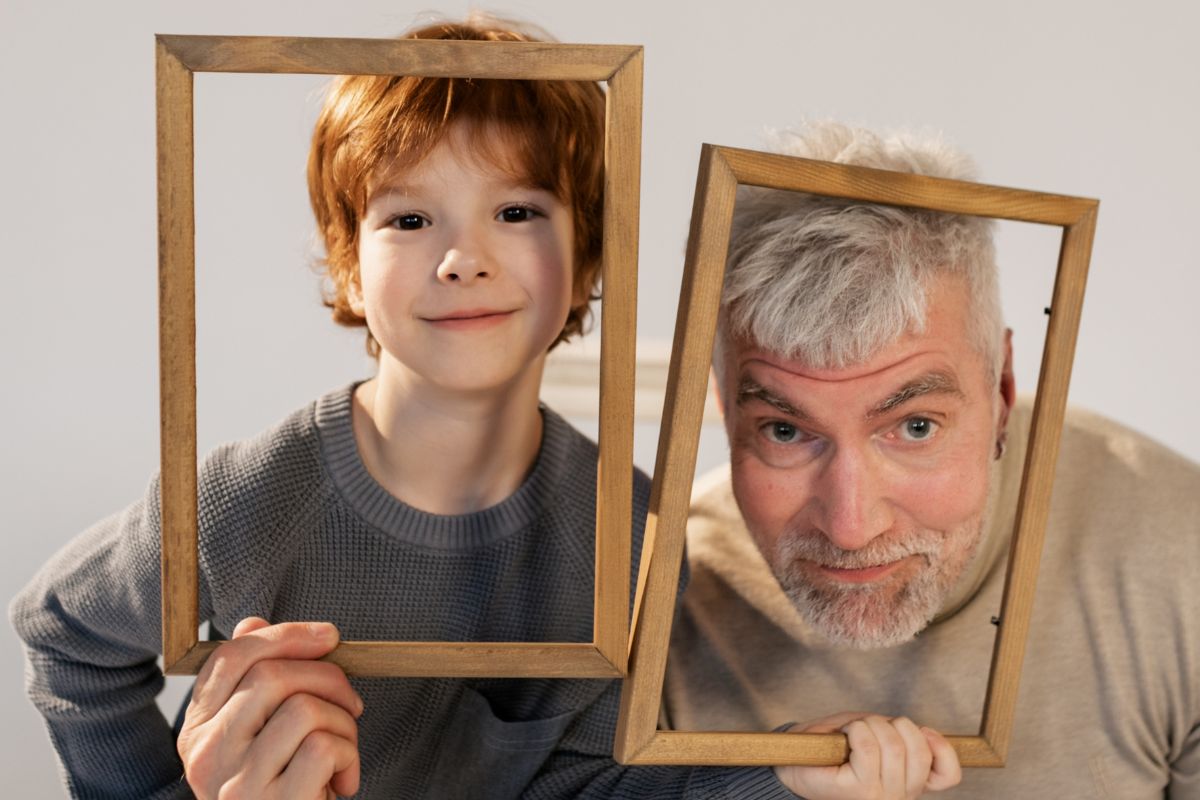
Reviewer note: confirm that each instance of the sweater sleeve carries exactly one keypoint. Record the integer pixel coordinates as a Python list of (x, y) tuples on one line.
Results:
[(582, 764), (90, 622), (582, 767)]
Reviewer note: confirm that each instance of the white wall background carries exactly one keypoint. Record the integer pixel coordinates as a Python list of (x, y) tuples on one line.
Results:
[(1097, 99)]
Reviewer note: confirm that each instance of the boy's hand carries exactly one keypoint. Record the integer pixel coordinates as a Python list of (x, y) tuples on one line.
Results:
[(268, 721), (890, 759)]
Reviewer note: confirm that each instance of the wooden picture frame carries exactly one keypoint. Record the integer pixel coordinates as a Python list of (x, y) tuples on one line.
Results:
[(722, 169), (177, 59)]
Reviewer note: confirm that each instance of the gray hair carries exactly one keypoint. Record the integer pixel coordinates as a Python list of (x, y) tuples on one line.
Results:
[(831, 281)]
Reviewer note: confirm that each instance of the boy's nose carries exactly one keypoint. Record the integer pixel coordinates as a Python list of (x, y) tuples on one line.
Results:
[(459, 266)]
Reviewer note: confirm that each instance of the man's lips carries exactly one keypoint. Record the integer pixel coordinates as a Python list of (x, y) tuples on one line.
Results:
[(862, 574)]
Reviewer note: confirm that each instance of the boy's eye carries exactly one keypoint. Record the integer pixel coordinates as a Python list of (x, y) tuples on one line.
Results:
[(517, 214), (409, 222), (915, 429)]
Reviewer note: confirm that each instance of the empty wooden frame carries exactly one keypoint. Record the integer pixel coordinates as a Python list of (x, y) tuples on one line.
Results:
[(177, 59), (721, 170)]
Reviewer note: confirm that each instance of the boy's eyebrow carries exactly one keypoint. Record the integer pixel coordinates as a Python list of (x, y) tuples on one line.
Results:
[(403, 189), (936, 382), (749, 389)]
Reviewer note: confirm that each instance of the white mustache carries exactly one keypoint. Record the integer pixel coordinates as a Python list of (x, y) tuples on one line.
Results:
[(814, 547)]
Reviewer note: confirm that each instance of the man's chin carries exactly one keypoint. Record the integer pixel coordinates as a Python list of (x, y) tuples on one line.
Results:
[(862, 618)]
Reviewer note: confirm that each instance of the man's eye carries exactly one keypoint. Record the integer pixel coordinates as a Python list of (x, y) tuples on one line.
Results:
[(409, 222), (915, 429), (781, 432), (517, 214)]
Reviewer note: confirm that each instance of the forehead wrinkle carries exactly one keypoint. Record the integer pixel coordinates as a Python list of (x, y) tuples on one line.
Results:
[(936, 382), (749, 389)]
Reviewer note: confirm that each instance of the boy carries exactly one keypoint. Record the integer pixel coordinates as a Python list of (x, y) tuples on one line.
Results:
[(434, 502)]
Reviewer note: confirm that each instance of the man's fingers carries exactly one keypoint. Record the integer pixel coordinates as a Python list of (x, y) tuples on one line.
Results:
[(918, 756), (323, 760), (230, 662), (269, 684), (281, 740), (946, 772)]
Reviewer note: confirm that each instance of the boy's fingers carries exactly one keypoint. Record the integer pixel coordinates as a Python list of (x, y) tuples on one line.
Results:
[(270, 684), (893, 755), (230, 662), (249, 625), (830, 724), (946, 771), (322, 760), (918, 756), (280, 741), (864, 752)]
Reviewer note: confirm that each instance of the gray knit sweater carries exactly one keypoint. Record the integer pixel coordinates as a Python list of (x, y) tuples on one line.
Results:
[(292, 527)]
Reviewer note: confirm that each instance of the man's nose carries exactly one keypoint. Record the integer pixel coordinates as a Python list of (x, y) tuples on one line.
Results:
[(852, 509), (464, 264)]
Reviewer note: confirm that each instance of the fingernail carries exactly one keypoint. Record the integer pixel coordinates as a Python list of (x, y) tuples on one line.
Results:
[(321, 630), (359, 703)]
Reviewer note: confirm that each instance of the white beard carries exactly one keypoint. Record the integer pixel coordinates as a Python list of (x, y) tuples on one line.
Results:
[(881, 613)]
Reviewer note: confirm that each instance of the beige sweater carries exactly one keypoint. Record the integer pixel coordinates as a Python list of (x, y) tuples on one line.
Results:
[(1109, 703)]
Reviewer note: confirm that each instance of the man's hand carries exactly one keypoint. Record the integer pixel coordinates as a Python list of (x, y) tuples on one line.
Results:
[(268, 721), (890, 759)]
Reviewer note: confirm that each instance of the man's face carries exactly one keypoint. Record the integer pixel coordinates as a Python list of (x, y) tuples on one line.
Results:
[(865, 487)]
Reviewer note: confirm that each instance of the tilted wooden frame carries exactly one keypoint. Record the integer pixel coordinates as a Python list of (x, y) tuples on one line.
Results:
[(177, 59), (638, 740)]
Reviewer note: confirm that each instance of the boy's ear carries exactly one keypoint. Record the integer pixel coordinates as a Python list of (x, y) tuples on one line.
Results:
[(581, 291), (355, 299)]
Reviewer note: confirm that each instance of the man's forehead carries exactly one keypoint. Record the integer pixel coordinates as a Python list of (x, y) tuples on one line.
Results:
[(893, 360)]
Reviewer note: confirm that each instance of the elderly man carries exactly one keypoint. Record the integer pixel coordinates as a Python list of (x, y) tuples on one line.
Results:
[(854, 553)]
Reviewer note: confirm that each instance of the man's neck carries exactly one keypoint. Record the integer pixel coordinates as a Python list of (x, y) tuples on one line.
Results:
[(444, 451)]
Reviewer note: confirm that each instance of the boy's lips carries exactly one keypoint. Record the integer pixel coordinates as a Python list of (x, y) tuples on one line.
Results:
[(470, 318)]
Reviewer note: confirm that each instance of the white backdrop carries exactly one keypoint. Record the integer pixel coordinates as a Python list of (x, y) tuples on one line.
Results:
[(1097, 99)]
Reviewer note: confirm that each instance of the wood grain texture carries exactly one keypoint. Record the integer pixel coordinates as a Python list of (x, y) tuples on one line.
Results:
[(177, 356), (902, 189), (618, 355), (740, 749), (637, 740), (432, 58), (675, 467), (1033, 504), (448, 660)]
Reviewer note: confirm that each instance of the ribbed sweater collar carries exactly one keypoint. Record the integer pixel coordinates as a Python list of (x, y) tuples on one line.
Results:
[(375, 505)]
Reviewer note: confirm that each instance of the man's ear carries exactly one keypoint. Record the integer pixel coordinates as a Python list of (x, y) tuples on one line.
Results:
[(1007, 385), (714, 381)]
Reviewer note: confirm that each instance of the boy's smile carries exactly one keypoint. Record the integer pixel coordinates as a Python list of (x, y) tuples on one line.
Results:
[(466, 271)]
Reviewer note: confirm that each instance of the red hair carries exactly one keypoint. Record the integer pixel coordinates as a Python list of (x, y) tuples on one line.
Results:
[(551, 136)]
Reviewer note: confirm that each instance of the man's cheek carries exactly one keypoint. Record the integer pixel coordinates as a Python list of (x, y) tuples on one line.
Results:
[(945, 498), (766, 499)]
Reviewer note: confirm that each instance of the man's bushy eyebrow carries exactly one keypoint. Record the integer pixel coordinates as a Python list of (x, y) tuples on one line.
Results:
[(936, 382), (753, 390)]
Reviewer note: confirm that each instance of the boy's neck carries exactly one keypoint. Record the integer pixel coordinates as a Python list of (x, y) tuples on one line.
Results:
[(444, 452)]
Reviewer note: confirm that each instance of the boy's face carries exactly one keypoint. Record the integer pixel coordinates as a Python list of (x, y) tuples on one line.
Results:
[(466, 273)]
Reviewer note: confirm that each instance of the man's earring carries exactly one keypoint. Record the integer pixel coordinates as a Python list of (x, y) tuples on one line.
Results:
[(1001, 442)]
